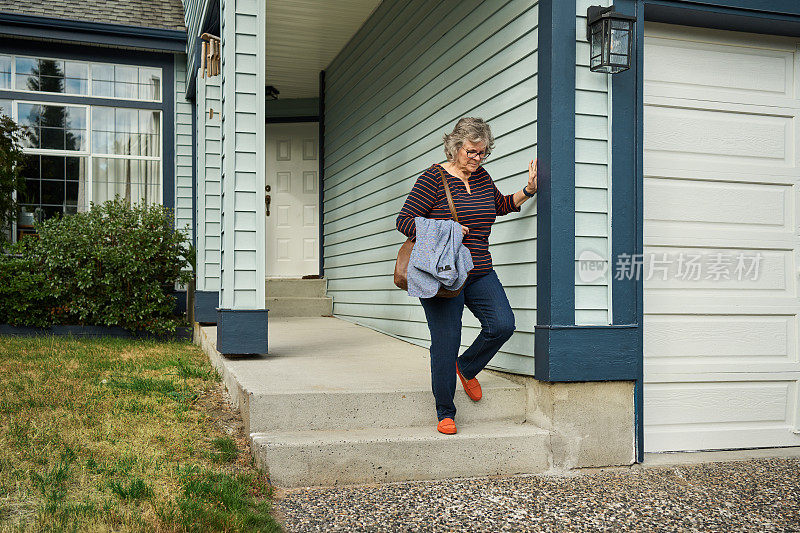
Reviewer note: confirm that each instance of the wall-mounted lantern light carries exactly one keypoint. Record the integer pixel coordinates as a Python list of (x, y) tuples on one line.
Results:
[(610, 36)]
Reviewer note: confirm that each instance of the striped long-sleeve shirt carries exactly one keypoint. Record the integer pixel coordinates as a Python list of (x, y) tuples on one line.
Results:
[(477, 210)]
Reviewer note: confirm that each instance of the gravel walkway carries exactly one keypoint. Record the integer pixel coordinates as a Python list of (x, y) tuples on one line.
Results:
[(756, 495)]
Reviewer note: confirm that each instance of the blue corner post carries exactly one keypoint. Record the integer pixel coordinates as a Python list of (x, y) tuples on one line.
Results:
[(566, 352)]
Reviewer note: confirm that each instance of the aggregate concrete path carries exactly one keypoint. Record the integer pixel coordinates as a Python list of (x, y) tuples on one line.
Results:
[(753, 495)]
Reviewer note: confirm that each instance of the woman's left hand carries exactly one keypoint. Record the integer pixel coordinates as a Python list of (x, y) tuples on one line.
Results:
[(533, 180)]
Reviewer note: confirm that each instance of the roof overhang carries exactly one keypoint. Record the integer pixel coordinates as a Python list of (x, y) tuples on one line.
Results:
[(97, 33)]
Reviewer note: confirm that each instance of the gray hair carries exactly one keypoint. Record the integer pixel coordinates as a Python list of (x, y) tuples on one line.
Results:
[(474, 130)]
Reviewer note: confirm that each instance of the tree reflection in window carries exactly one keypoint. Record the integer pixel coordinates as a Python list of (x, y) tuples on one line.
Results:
[(53, 127)]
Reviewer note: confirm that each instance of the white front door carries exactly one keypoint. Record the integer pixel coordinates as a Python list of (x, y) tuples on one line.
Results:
[(293, 187), (722, 190)]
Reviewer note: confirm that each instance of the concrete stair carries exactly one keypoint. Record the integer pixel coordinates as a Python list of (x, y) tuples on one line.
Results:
[(335, 403), (288, 297)]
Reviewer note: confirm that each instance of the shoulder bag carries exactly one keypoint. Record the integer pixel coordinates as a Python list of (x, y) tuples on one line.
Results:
[(403, 256)]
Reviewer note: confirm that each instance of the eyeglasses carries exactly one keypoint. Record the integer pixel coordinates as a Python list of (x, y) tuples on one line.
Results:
[(480, 156)]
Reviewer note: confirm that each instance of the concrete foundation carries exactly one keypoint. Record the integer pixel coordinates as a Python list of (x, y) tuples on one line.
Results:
[(591, 424)]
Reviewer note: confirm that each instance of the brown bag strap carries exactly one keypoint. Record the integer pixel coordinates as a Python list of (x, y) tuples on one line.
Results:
[(449, 196)]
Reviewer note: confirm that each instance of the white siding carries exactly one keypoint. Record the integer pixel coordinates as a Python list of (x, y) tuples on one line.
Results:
[(243, 172), (592, 176), (183, 150), (410, 72), (208, 183)]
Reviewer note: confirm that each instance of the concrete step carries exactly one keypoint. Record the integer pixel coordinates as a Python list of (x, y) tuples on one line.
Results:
[(284, 306), (296, 288), (313, 458), (356, 409)]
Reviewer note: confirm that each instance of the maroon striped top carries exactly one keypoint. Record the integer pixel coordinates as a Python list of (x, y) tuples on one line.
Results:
[(477, 210)]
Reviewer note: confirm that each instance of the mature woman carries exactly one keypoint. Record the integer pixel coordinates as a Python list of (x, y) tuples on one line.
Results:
[(478, 203)]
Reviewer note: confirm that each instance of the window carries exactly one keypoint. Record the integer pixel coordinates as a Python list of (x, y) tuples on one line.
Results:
[(81, 78), (79, 154)]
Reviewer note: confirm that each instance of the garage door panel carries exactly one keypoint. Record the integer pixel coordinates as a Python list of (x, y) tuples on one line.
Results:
[(721, 239), (704, 271), (719, 65), (747, 205), (688, 344), (747, 403), (709, 137)]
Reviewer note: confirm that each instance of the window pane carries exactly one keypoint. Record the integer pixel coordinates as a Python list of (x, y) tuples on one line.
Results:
[(126, 90), (102, 72), (75, 168), (53, 192), (126, 125), (102, 88), (52, 167), (5, 72), (5, 107), (26, 71), (29, 114), (76, 86), (31, 137), (51, 84), (32, 194), (126, 74), (76, 69), (75, 118), (150, 83), (52, 138), (75, 140)]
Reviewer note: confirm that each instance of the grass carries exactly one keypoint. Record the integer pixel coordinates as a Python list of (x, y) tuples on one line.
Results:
[(117, 434)]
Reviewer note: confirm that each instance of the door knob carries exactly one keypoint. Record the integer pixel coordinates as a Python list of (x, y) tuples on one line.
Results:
[(267, 199)]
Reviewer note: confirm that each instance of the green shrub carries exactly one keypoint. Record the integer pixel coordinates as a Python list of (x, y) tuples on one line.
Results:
[(25, 295), (114, 265)]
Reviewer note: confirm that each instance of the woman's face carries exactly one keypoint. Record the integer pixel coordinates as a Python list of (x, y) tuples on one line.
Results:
[(467, 163)]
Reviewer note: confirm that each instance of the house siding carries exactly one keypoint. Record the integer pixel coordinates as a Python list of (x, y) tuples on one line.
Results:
[(592, 171), (208, 183), (403, 81), (242, 163), (183, 150)]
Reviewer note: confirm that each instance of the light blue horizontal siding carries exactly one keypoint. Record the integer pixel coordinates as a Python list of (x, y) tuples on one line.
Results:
[(183, 150), (592, 171), (208, 183), (407, 76)]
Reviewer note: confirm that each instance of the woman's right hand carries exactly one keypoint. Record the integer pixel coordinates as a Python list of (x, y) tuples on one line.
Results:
[(464, 230)]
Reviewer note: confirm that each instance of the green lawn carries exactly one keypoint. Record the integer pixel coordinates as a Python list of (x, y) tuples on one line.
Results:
[(113, 434)]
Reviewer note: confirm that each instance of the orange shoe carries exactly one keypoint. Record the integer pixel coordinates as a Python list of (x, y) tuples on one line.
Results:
[(446, 426), (471, 387)]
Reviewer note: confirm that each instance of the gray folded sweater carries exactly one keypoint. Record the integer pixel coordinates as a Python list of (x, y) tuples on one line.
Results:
[(439, 258)]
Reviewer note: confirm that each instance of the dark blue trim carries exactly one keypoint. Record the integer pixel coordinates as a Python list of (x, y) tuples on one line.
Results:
[(725, 18), (168, 130), (279, 120), (321, 180), (242, 331), (84, 53), (588, 353), (114, 35), (205, 306), (627, 205), (181, 333), (555, 243)]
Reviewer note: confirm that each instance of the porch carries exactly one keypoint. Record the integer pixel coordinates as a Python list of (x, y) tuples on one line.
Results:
[(337, 403)]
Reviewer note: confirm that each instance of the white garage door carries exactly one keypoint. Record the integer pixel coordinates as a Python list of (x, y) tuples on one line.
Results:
[(721, 239)]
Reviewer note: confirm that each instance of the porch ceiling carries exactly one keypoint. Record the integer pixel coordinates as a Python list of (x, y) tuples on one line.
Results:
[(303, 37)]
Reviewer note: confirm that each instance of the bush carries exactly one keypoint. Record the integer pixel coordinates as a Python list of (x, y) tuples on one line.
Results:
[(115, 265), (25, 295)]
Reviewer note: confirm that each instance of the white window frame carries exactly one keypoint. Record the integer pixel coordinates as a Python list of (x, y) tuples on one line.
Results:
[(88, 152), (89, 64)]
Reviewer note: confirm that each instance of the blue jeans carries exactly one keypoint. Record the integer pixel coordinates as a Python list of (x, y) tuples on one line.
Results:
[(485, 297)]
